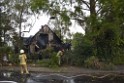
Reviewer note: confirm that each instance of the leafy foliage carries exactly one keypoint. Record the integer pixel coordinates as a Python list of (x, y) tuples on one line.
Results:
[(82, 49), (92, 62), (49, 58), (104, 26)]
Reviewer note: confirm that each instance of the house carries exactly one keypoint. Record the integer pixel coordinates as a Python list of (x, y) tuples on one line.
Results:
[(44, 38)]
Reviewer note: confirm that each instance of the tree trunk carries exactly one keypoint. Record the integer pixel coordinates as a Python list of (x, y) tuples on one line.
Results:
[(92, 7), (20, 24), (93, 15), (0, 28)]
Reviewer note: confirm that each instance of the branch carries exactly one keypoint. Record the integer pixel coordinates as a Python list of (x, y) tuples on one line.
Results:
[(86, 3), (85, 9), (33, 23), (99, 10), (96, 1)]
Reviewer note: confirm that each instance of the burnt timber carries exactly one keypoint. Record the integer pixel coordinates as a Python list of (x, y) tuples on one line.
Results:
[(43, 39)]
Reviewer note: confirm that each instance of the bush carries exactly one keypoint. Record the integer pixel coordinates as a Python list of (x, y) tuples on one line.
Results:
[(53, 61), (47, 53), (49, 62), (13, 58), (82, 48), (109, 66), (118, 60), (92, 62)]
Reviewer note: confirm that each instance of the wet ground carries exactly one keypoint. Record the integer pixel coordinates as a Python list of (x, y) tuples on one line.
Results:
[(16, 77), (11, 74)]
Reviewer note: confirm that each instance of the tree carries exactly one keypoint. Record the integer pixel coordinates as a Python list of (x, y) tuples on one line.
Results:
[(5, 23), (82, 49), (14, 17), (103, 26)]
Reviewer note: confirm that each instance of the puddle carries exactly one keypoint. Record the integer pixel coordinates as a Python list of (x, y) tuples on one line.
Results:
[(7, 82), (51, 78), (108, 78), (12, 77), (15, 77)]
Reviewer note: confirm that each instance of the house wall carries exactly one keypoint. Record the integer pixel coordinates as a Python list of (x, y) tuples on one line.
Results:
[(51, 38), (32, 47)]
